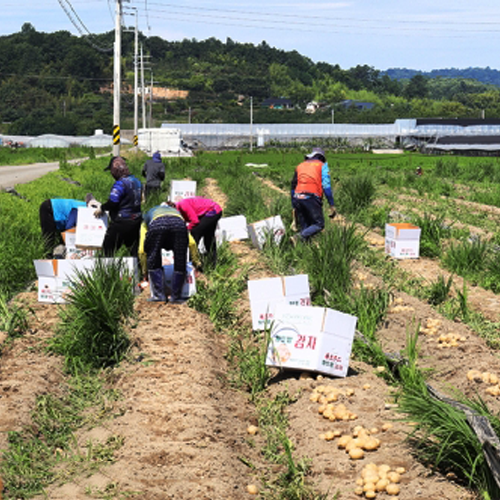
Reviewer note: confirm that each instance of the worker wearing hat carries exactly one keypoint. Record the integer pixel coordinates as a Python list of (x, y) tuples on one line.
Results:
[(124, 207), (310, 182)]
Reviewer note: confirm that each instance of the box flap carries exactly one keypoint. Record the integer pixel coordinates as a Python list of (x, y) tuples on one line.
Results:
[(46, 267)]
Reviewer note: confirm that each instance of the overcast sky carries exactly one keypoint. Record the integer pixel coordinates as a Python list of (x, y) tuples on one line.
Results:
[(419, 34)]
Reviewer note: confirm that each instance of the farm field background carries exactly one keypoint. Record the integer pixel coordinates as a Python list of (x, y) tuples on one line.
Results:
[(194, 381)]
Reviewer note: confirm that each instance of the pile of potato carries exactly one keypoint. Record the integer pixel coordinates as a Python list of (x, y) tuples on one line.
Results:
[(449, 340), (375, 242), (378, 479), (432, 326), (336, 412), (487, 378), (399, 307), (361, 440), (325, 395)]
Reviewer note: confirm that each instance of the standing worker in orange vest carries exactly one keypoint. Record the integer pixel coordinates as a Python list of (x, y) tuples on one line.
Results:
[(310, 181)]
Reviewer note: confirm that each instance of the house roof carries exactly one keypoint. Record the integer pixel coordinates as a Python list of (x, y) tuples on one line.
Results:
[(276, 100)]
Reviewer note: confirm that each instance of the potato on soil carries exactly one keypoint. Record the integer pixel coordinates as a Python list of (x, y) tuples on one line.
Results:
[(356, 453), (392, 489), (252, 489), (252, 429)]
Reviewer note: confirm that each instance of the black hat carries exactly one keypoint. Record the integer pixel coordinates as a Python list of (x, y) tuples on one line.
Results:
[(111, 163)]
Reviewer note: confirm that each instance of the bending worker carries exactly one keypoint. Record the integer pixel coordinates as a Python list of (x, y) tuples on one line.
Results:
[(164, 228), (202, 216), (58, 214), (310, 181)]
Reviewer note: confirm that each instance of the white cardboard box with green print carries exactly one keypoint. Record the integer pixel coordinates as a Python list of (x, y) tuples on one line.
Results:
[(311, 338)]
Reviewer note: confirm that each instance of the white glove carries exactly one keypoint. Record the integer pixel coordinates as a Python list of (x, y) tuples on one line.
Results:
[(94, 204)]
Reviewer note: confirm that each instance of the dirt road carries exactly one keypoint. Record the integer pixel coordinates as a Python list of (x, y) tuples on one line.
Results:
[(10, 175)]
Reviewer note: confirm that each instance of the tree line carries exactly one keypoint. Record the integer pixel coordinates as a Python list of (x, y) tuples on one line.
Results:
[(60, 83)]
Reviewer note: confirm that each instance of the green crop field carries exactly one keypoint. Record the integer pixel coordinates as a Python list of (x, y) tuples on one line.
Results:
[(454, 204)]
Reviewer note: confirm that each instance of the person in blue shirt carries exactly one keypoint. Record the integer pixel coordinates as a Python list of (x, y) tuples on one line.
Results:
[(60, 214), (124, 207)]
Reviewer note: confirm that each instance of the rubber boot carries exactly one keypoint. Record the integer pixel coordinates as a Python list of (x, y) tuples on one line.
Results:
[(157, 285), (177, 284)]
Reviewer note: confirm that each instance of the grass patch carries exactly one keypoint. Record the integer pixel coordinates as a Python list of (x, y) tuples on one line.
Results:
[(46, 451), (92, 333)]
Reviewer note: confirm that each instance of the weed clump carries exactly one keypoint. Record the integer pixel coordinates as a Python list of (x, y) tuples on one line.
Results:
[(92, 332)]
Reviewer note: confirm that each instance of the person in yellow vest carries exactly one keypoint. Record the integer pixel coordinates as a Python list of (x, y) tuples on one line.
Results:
[(310, 182), (164, 227)]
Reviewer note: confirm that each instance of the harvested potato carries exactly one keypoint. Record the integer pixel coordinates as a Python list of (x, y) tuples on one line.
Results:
[(252, 489), (381, 484), (356, 454), (252, 429), (392, 489), (344, 440), (393, 477)]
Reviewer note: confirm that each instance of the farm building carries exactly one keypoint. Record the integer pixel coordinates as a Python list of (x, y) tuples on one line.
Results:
[(277, 103), (359, 105), (467, 136), (473, 145)]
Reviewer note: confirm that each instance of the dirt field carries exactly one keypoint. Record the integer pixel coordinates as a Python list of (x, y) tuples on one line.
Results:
[(184, 429)]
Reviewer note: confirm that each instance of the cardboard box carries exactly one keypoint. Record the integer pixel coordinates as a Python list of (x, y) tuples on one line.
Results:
[(402, 231), (266, 294), (90, 230), (189, 287), (72, 252), (54, 276), (260, 230), (182, 189), (402, 240), (231, 229), (311, 338), (167, 257)]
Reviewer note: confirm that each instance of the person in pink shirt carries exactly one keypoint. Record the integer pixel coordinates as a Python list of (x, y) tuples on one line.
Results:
[(202, 215)]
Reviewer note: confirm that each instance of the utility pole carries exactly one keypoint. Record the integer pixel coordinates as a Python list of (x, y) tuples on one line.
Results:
[(151, 103), (136, 76), (143, 91), (117, 78), (333, 116), (136, 82), (251, 123)]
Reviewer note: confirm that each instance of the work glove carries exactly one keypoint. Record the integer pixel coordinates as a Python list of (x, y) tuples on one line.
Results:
[(98, 213), (94, 204), (332, 212)]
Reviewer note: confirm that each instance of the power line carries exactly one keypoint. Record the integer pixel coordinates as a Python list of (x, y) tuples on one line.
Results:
[(81, 27), (276, 25), (261, 15)]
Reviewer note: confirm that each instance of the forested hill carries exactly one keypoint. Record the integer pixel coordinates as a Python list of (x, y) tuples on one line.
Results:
[(484, 75), (60, 83)]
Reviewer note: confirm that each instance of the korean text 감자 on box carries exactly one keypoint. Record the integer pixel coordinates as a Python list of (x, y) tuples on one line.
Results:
[(266, 294), (311, 338)]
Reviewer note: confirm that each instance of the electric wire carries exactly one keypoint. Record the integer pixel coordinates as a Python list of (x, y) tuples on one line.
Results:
[(81, 27), (323, 18), (299, 26)]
